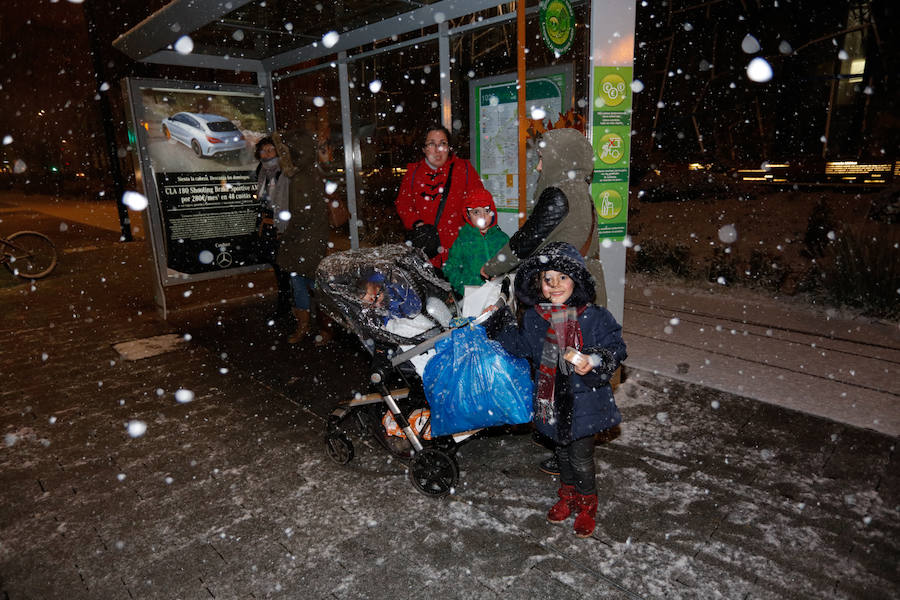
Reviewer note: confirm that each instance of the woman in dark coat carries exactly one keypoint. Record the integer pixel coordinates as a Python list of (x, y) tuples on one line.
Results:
[(563, 211), (303, 225), (574, 346)]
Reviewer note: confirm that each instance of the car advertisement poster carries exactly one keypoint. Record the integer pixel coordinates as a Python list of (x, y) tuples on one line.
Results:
[(611, 138), (199, 145)]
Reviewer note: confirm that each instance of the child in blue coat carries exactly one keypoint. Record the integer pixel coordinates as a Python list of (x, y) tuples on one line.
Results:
[(397, 300), (574, 347)]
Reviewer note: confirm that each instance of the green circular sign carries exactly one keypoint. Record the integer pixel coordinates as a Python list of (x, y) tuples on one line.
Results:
[(557, 25), (613, 89), (609, 204), (612, 148)]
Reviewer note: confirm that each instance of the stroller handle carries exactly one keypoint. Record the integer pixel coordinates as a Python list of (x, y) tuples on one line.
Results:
[(499, 304)]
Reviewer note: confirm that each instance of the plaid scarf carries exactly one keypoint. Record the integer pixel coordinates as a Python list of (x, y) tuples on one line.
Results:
[(564, 331)]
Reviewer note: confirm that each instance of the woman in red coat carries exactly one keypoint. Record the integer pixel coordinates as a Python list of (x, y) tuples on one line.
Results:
[(423, 189)]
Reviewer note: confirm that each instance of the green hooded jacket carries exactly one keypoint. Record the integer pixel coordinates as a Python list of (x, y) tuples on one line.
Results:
[(469, 252)]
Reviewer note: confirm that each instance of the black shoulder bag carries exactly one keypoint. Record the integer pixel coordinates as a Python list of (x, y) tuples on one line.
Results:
[(426, 236)]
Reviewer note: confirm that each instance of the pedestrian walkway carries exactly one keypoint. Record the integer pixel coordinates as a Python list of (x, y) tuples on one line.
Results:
[(96, 212), (200, 472), (781, 351)]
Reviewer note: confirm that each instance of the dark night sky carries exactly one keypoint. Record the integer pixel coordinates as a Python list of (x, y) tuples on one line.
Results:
[(49, 89), (47, 79)]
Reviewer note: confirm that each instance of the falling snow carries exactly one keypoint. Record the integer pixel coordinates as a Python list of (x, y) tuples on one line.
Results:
[(759, 70), (330, 39), (184, 45)]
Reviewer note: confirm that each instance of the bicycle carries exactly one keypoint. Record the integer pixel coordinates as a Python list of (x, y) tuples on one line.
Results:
[(28, 254)]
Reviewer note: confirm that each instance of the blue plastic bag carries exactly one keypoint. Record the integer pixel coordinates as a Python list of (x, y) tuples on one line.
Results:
[(472, 382)]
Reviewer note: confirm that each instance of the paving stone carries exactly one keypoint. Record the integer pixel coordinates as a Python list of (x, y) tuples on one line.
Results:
[(741, 500)]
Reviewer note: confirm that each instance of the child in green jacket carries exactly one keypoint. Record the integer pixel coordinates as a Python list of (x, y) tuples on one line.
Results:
[(478, 241)]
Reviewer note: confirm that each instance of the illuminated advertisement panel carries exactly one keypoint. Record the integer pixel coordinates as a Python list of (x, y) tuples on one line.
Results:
[(195, 158)]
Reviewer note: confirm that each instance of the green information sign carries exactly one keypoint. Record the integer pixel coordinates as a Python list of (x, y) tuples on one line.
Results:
[(611, 135), (604, 119), (557, 25)]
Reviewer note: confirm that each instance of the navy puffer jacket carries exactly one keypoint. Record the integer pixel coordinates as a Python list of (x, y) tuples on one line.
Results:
[(593, 406)]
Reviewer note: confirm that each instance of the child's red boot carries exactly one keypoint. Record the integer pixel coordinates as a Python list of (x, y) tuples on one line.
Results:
[(562, 509), (585, 506)]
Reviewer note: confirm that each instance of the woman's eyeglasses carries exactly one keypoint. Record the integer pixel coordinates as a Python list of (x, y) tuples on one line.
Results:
[(442, 146)]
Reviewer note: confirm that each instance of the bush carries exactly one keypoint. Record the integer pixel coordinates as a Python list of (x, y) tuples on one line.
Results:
[(886, 206), (766, 270), (818, 225), (722, 267), (860, 269), (654, 257)]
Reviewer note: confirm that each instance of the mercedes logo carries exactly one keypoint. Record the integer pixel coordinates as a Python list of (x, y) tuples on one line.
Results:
[(224, 260)]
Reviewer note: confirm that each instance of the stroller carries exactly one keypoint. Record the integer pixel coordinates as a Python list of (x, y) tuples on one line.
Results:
[(398, 347)]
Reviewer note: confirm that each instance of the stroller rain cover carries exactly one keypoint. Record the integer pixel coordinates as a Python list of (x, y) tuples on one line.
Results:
[(399, 267)]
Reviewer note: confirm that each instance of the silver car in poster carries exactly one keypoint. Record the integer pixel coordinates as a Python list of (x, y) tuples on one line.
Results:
[(203, 133)]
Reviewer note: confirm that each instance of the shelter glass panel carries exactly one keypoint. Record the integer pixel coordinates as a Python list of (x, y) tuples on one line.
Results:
[(310, 102), (394, 96), (491, 51), (486, 58)]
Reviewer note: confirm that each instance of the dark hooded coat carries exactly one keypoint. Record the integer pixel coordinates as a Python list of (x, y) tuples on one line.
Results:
[(304, 237), (591, 406), (563, 211)]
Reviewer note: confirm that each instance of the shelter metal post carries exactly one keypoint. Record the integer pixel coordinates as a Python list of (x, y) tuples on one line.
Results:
[(444, 52), (612, 45), (349, 162), (523, 126), (264, 80)]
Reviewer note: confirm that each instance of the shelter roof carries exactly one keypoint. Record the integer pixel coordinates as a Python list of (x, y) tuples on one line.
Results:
[(266, 35)]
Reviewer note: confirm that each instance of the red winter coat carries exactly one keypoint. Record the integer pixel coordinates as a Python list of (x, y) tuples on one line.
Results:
[(420, 195)]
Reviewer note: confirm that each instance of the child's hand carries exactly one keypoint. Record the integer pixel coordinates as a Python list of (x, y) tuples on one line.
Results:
[(583, 368), (581, 363), (483, 274)]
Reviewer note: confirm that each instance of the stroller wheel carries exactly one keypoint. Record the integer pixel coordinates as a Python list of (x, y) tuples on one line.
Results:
[(433, 472), (338, 448)]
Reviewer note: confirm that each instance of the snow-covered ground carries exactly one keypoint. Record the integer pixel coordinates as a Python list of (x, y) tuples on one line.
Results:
[(704, 494), (779, 350)]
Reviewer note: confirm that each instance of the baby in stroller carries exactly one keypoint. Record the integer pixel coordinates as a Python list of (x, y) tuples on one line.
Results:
[(399, 300)]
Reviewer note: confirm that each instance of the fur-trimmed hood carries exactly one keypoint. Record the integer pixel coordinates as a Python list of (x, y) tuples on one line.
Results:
[(567, 156), (555, 256)]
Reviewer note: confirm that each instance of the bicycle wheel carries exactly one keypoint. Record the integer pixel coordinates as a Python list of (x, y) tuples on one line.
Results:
[(31, 254)]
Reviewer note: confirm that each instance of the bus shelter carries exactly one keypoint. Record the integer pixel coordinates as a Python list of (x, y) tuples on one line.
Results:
[(366, 77)]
